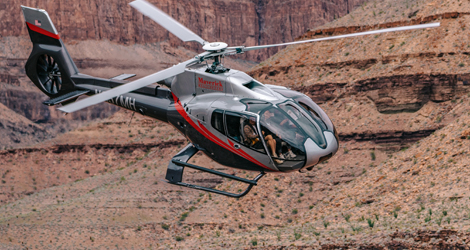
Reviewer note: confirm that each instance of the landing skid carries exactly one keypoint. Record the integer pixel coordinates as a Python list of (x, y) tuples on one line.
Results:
[(174, 173)]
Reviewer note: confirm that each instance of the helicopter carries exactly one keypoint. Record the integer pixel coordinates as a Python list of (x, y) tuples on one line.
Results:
[(232, 118)]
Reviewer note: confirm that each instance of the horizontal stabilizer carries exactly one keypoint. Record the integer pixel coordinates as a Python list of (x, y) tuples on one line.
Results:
[(66, 97), (123, 77)]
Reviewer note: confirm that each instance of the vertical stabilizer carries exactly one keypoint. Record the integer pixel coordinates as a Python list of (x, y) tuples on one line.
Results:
[(49, 66), (40, 27)]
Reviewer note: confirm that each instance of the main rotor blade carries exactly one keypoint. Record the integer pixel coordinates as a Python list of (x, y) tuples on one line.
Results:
[(412, 27), (128, 87), (166, 21)]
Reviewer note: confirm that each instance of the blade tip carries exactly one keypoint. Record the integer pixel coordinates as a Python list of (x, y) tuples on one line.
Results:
[(135, 2), (64, 109)]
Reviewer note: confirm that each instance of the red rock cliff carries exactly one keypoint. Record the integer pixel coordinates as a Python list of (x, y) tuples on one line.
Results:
[(242, 22)]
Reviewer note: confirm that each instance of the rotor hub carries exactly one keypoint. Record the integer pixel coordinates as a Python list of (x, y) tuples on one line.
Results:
[(217, 46)]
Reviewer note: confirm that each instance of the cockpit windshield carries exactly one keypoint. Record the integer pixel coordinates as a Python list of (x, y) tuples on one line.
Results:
[(282, 127), (284, 140), (310, 128), (284, 130)]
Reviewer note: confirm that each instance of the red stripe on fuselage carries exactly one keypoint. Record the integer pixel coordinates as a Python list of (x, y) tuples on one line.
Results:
[(42, 31), (236, 151), (201, 129)]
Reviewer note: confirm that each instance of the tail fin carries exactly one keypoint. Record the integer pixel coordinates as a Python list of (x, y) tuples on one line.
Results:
[(49, 66)]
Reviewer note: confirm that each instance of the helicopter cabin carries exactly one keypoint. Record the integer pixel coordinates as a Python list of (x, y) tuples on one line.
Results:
[(280, 129)]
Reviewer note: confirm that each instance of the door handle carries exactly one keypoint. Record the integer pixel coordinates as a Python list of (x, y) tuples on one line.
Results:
[(236, 146)]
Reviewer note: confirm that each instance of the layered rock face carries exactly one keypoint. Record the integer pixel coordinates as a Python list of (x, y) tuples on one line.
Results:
[(389, 88), (107, 38), (245, 22), (28, 104), (390, 94)]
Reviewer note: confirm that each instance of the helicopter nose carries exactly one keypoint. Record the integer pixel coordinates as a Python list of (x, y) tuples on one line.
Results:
[(315, 154)]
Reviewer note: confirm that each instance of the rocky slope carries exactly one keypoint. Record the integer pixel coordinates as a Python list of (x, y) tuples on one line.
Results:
[(416, 198), (134, 157), (17, 130), (382, 77), (413, 198), (369, 196)]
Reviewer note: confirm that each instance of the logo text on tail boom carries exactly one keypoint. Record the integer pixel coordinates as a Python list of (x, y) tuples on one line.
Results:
[(123, 101)]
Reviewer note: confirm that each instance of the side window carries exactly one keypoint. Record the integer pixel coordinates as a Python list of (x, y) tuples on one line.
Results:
[(233, 126), (217, 121), (239, 128), (250, 134)]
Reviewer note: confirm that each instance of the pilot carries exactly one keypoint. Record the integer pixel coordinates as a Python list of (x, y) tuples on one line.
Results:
[(252, 138), (274, 117)]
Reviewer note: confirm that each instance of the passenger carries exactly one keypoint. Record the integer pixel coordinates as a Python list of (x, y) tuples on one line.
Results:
[(252, 138)]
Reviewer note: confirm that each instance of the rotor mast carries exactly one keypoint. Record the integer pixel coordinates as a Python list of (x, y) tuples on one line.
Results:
[(217, 50)]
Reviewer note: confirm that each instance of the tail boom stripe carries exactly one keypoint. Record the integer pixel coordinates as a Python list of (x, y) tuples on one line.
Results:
[(42, 31)]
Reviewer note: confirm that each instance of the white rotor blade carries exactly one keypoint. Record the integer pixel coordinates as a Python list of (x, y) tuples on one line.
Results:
[(166, 21), (421, 26), (128, 87)]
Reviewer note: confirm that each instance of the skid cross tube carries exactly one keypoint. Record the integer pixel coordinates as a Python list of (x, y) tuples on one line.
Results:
[(233, 177)]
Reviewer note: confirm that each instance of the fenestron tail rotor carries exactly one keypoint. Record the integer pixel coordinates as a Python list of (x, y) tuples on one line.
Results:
[(49, 75)]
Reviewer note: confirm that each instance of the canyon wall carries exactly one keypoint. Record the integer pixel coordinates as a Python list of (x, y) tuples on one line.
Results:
[(242, 22), (107, 38), (390, 94)]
